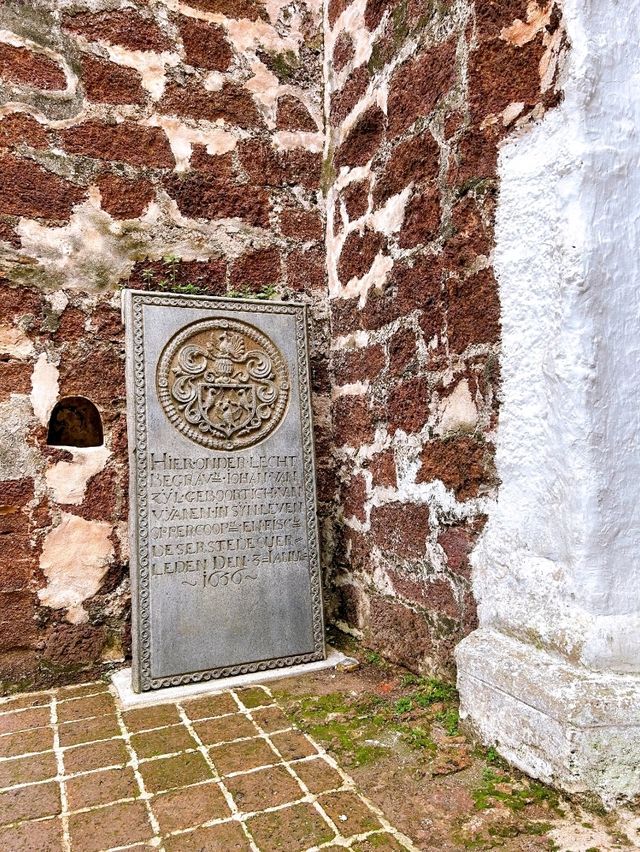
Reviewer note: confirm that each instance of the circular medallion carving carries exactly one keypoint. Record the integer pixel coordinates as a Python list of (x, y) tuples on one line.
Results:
[(223, 383)]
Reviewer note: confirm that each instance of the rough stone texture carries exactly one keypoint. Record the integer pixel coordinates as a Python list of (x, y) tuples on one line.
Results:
[(121, 141), (162, 150), (420, 99)]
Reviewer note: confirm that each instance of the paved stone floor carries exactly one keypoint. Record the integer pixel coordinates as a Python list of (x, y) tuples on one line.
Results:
[(223, 772)]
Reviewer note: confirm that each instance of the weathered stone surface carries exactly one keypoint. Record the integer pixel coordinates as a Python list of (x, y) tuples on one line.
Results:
[(416, 160), (124, 199), (401, 528), (127, 142), (256, 270), (205, 45), (358, 254), (292, 114), (108, 83), (27, 189), (463, 464), (418, 84), (232, 103), (198, 195), (231, 521), (18, 127), (125, 27), (20, 65), (363, 139)]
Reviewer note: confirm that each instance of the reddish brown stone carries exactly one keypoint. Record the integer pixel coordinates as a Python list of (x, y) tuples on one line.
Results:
[(301, 224), (471, 237), (401, 529), (25, 67), (15, 377), (102, 496), (399, 633), (374, 11), (421, 219), (19, 301), (457, 543), (473, 311), (72, 325), (200, 196), (402, 350), (353, 497), (463, 464), (418, 286), (208, 276), (358, 253), (352, 421), (27, 189), (363, 141), (103, 384), (9, 235), (122, 198), (418, 84), (407, 405), (500, 74), (306, 269), (125, 27), (343, 102), (358, 365), (75, 644), (356, 199), (205, 45), (292, 114), (250, 9), (19, 127), (493, 15), (127, 142), (383, 470), (343, 51), (256, 270), (218, 165), (108, 83), (336, 8), (232, 103), (435, 595), (301, 167), (478, 157), (414, 161), (17, 620)]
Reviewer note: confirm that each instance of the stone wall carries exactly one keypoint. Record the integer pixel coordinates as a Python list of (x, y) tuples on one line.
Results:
[(419, 98), (252, 148), (148, 145)]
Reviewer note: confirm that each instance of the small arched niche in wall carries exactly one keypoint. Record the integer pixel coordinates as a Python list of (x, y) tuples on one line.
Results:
[(75, 422)]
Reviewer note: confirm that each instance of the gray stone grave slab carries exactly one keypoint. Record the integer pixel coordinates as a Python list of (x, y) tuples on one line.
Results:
[(224, 541)]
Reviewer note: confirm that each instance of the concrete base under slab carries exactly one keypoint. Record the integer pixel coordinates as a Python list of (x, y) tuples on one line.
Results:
[(130, 699), (566, 725)]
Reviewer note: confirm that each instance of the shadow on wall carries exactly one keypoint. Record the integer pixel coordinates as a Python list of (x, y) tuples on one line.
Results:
[(75, 422)]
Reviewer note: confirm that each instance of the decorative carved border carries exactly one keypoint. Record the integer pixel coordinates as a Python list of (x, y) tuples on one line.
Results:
[(136, 386)]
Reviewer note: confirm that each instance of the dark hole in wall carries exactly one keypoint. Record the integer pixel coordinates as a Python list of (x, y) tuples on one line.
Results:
[(75, 422)]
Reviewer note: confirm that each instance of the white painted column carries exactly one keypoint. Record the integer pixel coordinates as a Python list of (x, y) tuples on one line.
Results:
[(552, 676)]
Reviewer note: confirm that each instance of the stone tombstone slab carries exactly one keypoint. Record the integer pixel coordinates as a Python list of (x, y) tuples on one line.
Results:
[(224, 538)]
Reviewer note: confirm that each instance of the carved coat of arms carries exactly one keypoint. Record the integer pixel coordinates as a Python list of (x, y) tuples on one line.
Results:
[(223, 383)]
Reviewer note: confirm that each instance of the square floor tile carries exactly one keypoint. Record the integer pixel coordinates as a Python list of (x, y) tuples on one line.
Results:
[(39, 739), (210, 705), (242, 756), (212, 731), (254, 696), (226, 837), (270, 719), (37, 800), (82, 708), (151, 717), (293, 745), (263, 789), (101, 788), (349, 813), (23, 720), (189, 806), (113, 825), (162, 741), (82, 758), (168, 772), (42, 836), (88, 730), (290, 829), (21, 770), (318, 775)]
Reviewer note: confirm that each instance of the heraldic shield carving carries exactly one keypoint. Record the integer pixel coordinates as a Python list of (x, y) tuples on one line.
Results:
[(223, 383)]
